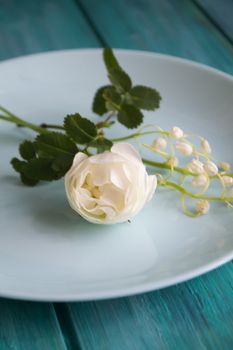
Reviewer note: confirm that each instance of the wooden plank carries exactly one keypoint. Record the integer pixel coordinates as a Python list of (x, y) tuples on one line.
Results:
[(175, 27), (34, 26), (192, 315), (196, 314), (220, 13), (27, 27), (29, 326)]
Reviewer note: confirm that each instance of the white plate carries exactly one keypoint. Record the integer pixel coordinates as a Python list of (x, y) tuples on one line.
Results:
[(46, 251)]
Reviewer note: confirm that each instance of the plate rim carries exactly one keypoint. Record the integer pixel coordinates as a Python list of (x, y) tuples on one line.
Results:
[(121, 293), (167, 57), (146, 286)]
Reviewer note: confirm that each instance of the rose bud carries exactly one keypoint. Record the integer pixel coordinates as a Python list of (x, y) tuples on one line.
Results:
[(110, 187)]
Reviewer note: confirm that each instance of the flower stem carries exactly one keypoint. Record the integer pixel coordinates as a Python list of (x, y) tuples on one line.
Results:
[(181, 189), (167, 166), (51, 126), (137, 134), (10, 117)]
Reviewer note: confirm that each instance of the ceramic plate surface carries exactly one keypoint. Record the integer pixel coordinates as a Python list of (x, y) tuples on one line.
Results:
[(47, 252)]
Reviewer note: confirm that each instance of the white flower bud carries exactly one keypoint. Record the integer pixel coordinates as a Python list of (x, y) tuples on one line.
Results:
[(227, 180), (196, 167), (202, 206), (176, 132), (200, 181), (173, 162), (205, 146), (160, 144), (109, 187), (225, 166), (211, 168), (184, 148)]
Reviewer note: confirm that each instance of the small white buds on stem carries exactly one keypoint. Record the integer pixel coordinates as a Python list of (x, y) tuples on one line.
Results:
[(159, 144), (205, 146), (224, 166), (202, 206), (227, 180), (211, 168), (176, 132), (200, 181), (184, 148), (173, 162), (196, 167)]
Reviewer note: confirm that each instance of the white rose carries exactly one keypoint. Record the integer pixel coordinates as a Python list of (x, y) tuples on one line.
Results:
[(110, 187)]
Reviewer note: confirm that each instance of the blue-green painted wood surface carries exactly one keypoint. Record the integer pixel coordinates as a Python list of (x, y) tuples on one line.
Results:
[(28, 27), (194, 315), (33, 26), (175, 27), (29, 326), (221, 13)]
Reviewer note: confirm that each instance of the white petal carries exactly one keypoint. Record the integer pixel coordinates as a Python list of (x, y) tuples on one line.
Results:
[(79, 157), (151, 186), (112, 196), (106, 157), (118, 177), (100, 174), (127, 151)]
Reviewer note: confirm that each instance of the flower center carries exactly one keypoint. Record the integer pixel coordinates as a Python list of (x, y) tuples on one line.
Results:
[(94, 190)]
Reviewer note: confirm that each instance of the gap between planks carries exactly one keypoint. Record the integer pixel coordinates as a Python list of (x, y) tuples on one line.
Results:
[(211, 19), (66, 326)]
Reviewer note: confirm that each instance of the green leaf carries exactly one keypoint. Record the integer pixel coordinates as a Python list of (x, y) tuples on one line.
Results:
[(54, 144), (117, 76), (62, 164), (99, 106), (40, 169), (110, 60), (27, 181), (27, 150), (101, 144), (112, 96), (18, 164), (130, 116), (145, 98), (120, 80), (80, 129)]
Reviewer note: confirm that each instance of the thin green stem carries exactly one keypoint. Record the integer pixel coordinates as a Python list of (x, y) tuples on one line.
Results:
[(137, 134), (52, 126), (177, 169), (12, 118), (167, 166), (106, 122), (3, 117), (181, 189)]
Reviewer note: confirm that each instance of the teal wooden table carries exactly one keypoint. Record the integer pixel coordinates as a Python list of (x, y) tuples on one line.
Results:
[(193, 315)]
